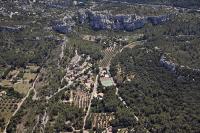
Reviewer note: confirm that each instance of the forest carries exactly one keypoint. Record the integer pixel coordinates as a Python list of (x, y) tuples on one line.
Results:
[(165, 101)]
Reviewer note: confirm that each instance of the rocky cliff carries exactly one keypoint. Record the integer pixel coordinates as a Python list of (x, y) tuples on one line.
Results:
[(105, 21), (10, 29), (182, 72)]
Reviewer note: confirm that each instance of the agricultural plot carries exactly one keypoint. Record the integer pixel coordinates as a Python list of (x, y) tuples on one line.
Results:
[(2, 70), (108, 54), (7, 107), (123, 130), (12, 74), (133, 44), (6, 83), (135, 37), (32, 68), (29, 76), (102, 120), (20, 79), (21, 87), (81, 99)]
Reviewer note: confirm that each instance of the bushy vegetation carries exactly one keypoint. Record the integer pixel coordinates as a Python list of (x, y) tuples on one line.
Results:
[(179, 38), (162, 100), (17, 51), (86, 47), (165, 103), (62, 113), (109, 104), (123, 117), (11, 92)]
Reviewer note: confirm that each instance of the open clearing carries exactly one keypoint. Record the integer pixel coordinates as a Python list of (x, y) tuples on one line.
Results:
[(29, 76), (22, 87)]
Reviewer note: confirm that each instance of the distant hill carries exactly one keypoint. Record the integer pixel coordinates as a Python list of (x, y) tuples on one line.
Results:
[(179, 3)]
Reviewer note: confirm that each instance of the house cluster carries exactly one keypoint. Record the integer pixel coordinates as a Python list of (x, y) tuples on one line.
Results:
[(104, 73), (81, 72), (2, 93), (99, 96)]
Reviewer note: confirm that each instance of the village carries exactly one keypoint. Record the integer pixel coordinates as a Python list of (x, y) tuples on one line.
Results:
[(81, 82)]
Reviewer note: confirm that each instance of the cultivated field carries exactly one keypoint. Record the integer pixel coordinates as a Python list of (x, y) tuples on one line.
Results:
[(108, 54), (20, 79), (80, 99), (7, 107), (2, 70), (21, 87), (101, 120)]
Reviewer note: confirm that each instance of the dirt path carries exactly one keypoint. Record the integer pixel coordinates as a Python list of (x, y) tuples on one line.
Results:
[(59, 90), (63, 46), (131, 45), (22, 101), (92, 96), (37, 121), (45, 119), (71, 97), (34, 98), (74, 60)]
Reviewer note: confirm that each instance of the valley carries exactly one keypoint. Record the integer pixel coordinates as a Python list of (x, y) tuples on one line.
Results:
[(99, 66)]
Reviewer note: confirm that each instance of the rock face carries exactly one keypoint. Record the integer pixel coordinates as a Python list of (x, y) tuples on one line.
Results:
[(169, 65), (104, 21), (60, 27), (157, 20), (10, 29), (182, 72), (61, 4)]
